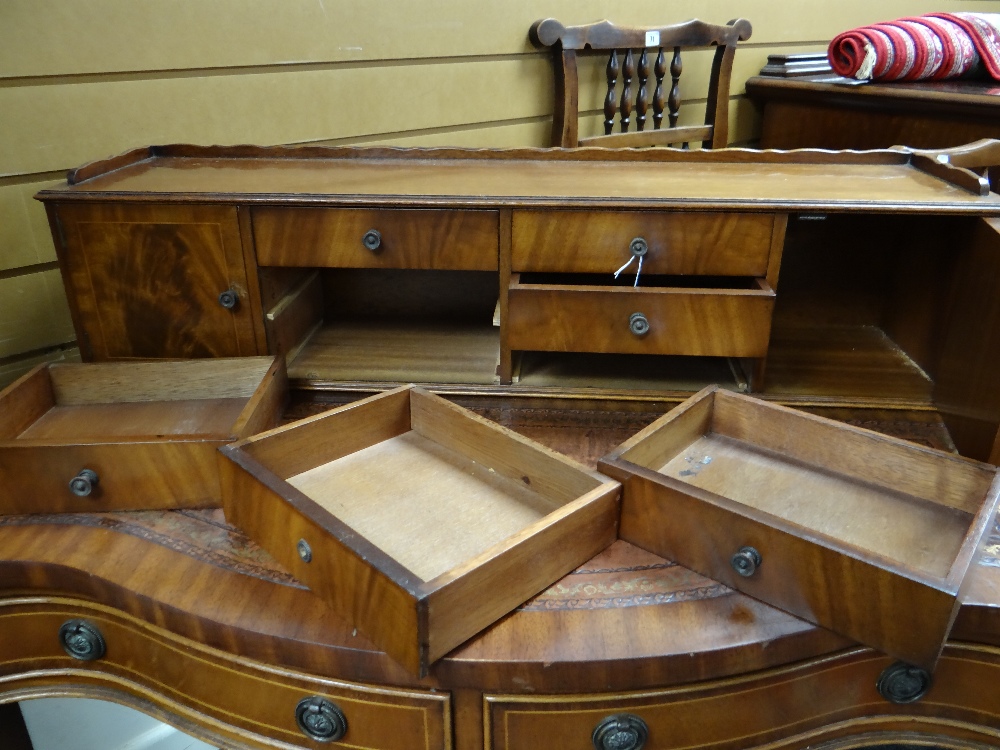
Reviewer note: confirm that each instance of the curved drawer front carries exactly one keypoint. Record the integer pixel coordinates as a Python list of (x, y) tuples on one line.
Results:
[(226, 695), (377, 238), (800, 706), (678, 243), (623, 320)]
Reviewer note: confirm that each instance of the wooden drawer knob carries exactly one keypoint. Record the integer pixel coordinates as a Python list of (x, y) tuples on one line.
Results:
[(228, 299), (320, 719), (81, 640), (638, 247), (638, 324), (84, 483), (746, 561), (372, 240), (620, 732)]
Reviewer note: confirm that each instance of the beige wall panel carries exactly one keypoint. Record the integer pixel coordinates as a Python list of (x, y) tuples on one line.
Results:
[(24, 231), (515, 135), (12, 370), (57, 126), (101, 36), (33, 313)]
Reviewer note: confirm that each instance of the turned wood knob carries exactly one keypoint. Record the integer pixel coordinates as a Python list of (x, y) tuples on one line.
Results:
[(638, 324), (372, 239), (638, 247), (746, 561), (620, 732), (83, 483), (320, 719), (81, 640), (228, 299)]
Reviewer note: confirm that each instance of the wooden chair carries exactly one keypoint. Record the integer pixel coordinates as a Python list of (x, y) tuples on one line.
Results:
[(603, 36)]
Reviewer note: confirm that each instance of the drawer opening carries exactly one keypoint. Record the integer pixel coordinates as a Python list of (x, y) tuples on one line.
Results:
[(383, 326), (613, 374)]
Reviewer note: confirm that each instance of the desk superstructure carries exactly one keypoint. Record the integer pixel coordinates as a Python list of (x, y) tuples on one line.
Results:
[(488, 277)]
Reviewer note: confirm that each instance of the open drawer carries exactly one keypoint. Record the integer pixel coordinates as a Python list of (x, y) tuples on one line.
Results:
[(418, 521), (129, 435), (865, 534), (702, 316)]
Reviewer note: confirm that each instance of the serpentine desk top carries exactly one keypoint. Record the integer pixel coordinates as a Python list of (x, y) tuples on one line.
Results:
[(625, 620)]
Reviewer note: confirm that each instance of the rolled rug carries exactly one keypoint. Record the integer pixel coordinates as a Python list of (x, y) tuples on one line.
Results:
[(932, 47)]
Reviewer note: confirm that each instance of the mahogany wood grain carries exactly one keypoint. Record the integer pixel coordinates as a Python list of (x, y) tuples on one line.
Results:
[(819, 111), (399, 351), (236, 700), (662, 178), (790, 707), (679, 243), (787, 492), (455, 240), (966, 373), (295, 316), (121, 382), (696, 321), (429, 527), (147, 281), (24, 401)]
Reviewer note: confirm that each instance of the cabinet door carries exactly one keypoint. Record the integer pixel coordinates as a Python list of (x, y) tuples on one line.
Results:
[(145, 281)]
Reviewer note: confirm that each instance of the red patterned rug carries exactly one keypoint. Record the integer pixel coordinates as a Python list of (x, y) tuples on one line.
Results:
[(932, 47)]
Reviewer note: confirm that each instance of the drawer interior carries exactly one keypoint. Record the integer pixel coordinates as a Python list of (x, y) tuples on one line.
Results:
[(153, 400), (904, 504), (428, 507), (387, 326), (205, 417)]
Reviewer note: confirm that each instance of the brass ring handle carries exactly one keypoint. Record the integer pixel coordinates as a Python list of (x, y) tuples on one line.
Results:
[(84, 483), (746, 561), (620, 732), (320, 719), (638, 247), (903, 683), (228, 299), (372, 240), (638, 324), (81, 640)]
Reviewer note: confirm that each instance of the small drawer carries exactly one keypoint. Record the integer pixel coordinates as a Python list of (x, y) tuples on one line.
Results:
[(129, 435), (722, 244), (376, 238), (417, 521), (866, 535), (730, 321)]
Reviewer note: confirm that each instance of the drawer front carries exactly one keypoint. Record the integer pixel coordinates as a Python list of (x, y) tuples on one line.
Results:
[(236, 699), (716, 244), (800, 706), (377, 238), (703, 322), (130, 476)]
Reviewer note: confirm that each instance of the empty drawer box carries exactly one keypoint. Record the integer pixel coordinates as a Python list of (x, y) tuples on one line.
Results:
[(129, 435), (864, 534), (416, 520)]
